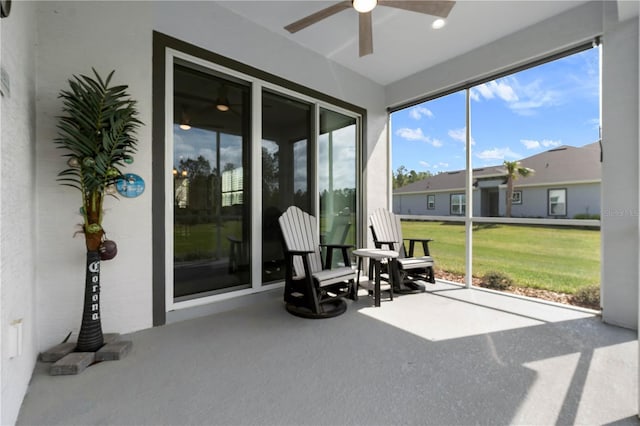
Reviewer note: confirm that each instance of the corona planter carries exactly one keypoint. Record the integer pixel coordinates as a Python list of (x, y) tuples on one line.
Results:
[(97, 133), (90, 338)]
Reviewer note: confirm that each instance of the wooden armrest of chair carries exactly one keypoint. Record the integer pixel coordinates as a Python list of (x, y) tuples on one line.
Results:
[(299, 252)]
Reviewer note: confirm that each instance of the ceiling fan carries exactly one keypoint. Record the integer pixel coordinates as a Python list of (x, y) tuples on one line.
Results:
[(439, 8)]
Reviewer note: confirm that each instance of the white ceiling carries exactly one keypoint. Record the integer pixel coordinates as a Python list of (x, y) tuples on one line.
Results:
[(403, 41)]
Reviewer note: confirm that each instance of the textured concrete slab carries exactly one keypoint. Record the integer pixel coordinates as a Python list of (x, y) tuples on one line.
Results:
[(73, 363), (114, 351), (57, 352), (448, 357), (110, 337)]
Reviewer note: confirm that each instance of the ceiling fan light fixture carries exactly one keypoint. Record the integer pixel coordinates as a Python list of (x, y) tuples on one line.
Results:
[(364, 6), (185, 122), (222, 104), (438, 23)]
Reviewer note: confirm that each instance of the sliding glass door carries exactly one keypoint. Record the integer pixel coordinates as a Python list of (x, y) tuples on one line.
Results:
[(238, 151), (286, 176), (337, 165), (211, 176)]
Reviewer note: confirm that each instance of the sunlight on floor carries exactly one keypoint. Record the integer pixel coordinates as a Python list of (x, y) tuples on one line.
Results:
[(481, 313)]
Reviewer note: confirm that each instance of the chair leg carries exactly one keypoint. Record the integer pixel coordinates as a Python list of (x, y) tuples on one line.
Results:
[(313, 297)]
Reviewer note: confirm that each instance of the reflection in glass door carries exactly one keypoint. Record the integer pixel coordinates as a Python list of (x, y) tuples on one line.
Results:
[(337, 165), (286, 131), (211, 207)]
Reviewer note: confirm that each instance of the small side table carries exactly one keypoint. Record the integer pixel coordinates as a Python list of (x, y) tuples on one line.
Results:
[(376, 256)]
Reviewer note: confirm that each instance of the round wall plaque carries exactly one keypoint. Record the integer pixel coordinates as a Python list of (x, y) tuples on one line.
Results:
[(130, 185)]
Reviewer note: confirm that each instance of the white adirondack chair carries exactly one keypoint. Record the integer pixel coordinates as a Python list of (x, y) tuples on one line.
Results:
[(312, 290), (387, 233)]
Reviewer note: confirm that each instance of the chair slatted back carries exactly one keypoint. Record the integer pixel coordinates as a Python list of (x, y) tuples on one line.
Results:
[(299, 230), (387, 228)]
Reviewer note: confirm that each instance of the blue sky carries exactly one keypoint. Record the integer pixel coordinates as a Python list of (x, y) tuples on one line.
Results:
[(512, 118)]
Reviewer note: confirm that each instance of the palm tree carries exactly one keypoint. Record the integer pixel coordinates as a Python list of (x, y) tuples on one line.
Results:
[(98, 134), (514, 170)]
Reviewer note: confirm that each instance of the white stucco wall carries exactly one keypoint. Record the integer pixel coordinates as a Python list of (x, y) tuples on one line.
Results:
[(73, 37), (620, 178), (18, 201), (620, 236)]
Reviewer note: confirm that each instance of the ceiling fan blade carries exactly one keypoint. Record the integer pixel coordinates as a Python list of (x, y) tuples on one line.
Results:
[(318, 16), (365, 34), (439, 8)]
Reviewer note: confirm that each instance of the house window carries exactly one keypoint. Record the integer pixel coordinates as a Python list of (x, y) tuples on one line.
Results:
[(516, 197), (431, 202), (557, 202), (458, 204)]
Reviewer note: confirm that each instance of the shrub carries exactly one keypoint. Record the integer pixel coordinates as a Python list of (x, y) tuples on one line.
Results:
[(497, 280), (588, 296)]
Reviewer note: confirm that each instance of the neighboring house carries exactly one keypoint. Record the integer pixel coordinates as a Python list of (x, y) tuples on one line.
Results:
[(566, 183)]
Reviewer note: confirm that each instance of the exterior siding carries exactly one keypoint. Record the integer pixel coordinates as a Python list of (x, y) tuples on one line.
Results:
[(581, 199)]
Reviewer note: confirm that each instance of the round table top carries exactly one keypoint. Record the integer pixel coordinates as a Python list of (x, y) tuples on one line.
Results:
[(376, 253)]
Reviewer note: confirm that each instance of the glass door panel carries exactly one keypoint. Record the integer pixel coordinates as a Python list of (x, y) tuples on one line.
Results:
[(337, 165), (211, 206), (286, 130)]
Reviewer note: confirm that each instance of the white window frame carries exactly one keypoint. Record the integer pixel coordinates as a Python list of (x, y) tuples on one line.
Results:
[(461, 205), (551, 205), (431, 202), (516, 197)]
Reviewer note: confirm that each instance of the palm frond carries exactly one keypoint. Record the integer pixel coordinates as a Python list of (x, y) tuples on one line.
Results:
[(98, 129)]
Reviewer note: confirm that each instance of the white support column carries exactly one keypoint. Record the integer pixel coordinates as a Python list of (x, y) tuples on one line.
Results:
[(468, 217), (256, 186)]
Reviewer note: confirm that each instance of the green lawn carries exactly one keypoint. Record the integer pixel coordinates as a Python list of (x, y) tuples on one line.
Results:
[(200, 241), (553, 258)]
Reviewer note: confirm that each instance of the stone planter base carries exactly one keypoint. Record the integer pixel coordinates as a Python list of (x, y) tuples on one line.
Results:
[(66, 361)]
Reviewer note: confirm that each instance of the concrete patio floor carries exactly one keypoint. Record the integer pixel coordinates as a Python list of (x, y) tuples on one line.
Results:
[(451, 356)]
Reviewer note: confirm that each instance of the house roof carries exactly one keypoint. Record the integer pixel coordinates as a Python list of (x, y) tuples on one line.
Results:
[(562, 165)]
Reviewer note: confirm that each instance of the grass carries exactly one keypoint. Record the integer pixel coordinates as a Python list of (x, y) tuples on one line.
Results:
[(559, 259), (200, 241)]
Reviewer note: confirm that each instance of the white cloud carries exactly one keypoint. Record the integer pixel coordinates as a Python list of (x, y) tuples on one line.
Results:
[(522, 99), (417, 135), (441, 165), (460, 135), (419, 111), (532, 97), (550, 144), (490, 90), (425, 164), (530, 144), (545, 143), (497, 154), (412, 134)]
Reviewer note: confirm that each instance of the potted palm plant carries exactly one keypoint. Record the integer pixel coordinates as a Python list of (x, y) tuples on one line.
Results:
[(98, 134)]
